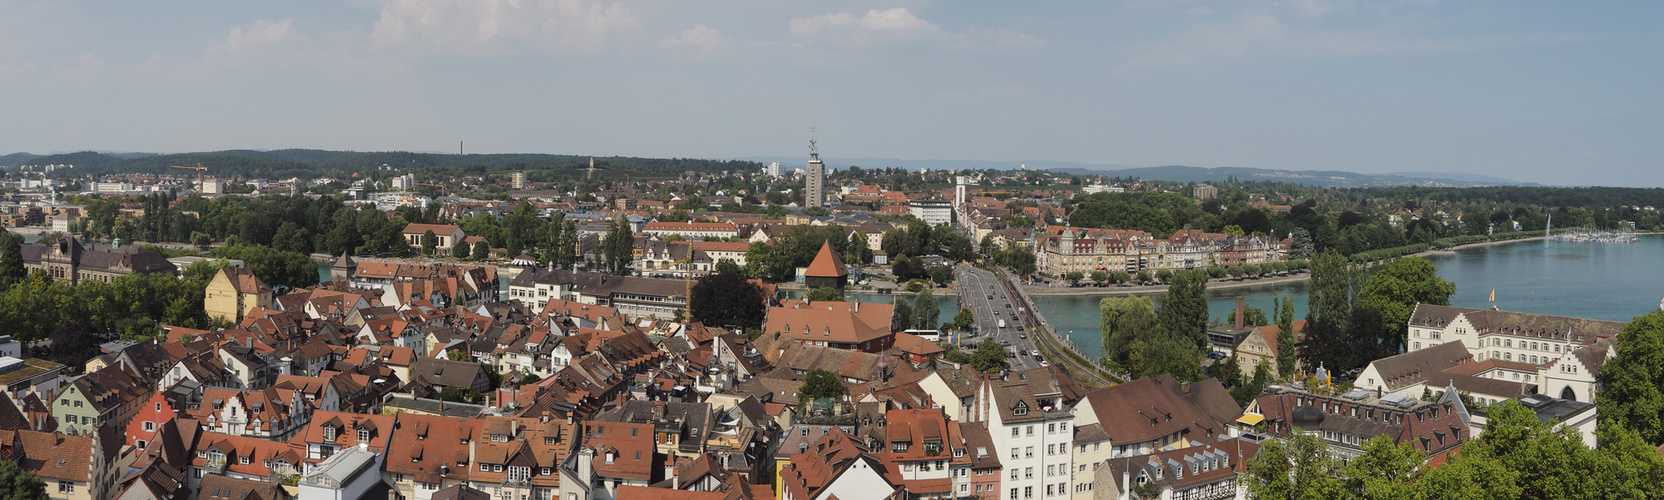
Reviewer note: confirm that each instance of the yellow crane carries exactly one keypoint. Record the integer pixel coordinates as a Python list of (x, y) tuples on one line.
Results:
[(199, 171)]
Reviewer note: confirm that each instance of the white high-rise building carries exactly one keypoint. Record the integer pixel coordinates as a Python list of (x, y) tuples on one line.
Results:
[(814, 180), (774, 169), (958, 191)]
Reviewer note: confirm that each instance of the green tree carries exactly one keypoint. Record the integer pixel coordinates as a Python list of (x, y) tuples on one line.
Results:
[(1632, 384), (826, 294), (430, 243), (1286, 350), (1297, 467), (1074, 277), (926, 312), (1251, 316), (728, 300), (1394, 290), (1519, 456), (1118, 335), (618, 248), (1164, 275), (19, 484), (482, 250), (859, 253), (941, 275), (903, 312), (821, 384), (1184, 309), (278, 268), (460, 249), (11, 260), (989, 357), (964, 320), (1385, 470), (1100, 277)]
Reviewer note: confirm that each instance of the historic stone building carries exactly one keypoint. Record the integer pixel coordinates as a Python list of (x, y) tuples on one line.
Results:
[(68, 260)]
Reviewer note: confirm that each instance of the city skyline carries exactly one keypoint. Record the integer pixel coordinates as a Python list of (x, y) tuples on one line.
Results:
[(1554, 94)]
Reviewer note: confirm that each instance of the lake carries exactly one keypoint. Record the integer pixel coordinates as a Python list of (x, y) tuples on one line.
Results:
[(1611, 281)]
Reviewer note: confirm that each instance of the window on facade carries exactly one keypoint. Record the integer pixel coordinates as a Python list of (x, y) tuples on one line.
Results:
[(1028, 452), (364, 435), (66, 487)]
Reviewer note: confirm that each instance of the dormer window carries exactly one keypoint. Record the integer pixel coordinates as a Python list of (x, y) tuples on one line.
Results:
[(364, 435), (329, 433), (1020, 410)]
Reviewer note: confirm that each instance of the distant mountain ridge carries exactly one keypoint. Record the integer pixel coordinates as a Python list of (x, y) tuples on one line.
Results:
[(309, 162), (1175, 173)]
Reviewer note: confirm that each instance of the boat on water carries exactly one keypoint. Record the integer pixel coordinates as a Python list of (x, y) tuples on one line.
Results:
[(1587, 236)]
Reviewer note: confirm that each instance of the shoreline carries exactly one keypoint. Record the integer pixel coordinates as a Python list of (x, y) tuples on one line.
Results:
[(1229, 284)]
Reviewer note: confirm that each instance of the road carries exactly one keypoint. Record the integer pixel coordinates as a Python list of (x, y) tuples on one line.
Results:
[(975, 287)]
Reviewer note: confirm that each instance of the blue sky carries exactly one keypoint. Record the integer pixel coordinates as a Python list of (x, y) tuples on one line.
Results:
[(1552, 92)]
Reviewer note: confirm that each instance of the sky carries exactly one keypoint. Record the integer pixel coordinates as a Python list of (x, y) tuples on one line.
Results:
[(1563, 93)]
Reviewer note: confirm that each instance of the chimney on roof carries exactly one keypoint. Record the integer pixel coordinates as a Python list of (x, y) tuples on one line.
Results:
[(1239, 301)]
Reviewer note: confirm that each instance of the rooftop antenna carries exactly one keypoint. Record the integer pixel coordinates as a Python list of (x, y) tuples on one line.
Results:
[(814, 154)]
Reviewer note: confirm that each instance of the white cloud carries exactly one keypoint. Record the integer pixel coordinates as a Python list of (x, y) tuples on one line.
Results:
[(878, 25), (257, 36), (1206, 42), (901, 25), (701, 38), (495, 25)]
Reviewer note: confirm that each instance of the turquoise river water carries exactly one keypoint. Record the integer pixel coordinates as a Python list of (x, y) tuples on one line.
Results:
[(1612, 281)]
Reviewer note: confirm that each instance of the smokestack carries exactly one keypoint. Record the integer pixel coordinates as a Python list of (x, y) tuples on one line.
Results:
[(1239, 301)]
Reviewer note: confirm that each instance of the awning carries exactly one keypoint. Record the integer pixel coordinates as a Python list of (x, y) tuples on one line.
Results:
[(1250, 419)]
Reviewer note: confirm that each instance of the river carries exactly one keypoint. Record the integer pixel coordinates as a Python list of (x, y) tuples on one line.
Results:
[(1611, 281)]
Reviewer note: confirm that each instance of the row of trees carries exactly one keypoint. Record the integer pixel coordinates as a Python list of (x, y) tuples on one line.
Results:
[(37, 307)]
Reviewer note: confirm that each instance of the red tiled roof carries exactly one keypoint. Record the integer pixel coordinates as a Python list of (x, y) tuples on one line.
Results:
[(847, 322), (439, 229), (827, 264)]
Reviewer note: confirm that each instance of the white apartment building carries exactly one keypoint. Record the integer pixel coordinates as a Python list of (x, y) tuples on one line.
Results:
[(933, 212), (1033, 432)]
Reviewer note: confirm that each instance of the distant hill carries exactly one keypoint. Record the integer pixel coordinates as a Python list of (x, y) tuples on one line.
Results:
[(308, 163), (1322, 178), (16, 159), (1175, 173)]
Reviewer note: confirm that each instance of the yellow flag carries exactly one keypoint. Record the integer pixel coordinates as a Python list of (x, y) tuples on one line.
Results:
[(1493, 295)]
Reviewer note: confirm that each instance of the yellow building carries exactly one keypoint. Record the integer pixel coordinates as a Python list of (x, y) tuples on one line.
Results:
[(233, 293), (1261, 347)]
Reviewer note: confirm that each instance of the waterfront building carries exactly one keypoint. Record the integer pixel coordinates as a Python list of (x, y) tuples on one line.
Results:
[(1566, 353)]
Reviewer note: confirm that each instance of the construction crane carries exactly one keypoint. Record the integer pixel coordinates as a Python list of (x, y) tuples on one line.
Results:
[(199, 171)]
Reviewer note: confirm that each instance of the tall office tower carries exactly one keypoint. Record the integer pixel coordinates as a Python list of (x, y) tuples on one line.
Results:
[(958, 192), (814, 180), (519, 180)]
